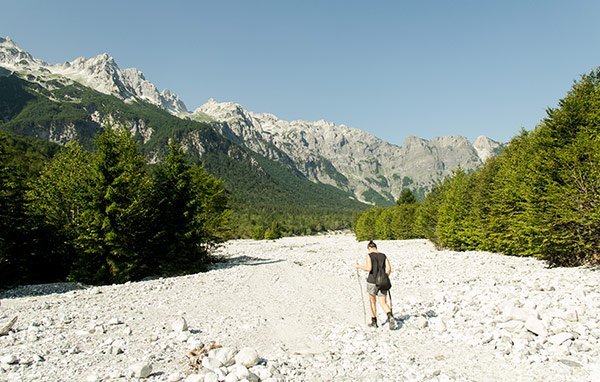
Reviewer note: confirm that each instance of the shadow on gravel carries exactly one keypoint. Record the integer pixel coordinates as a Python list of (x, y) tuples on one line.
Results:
[(40, 290), (243, 260)]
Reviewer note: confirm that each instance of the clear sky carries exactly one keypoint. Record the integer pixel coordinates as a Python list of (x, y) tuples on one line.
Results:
[(392, 68)]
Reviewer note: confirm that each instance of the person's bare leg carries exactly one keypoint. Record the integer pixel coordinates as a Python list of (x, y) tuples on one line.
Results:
[(373, 304), (388, 311), (384, 304)]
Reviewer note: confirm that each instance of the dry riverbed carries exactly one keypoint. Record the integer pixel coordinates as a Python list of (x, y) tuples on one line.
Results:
[(293, 308)]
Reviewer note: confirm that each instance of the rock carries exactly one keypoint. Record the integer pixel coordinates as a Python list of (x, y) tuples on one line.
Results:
[(225, 355), (261, 371), (522, 314), (114, 321), (437, 324), (372, 377), (176, 377), (559, 338), (231, 378), (247, 357), (537, 327), (211, 363), (240, 371), (179, 325), (183, 336), (199, 378), (421, 322), (141, 370), (211, 377), (570, 315), (9, 359), (511, 326)]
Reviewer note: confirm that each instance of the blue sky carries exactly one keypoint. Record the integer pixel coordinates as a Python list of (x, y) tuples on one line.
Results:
[(392, 68)]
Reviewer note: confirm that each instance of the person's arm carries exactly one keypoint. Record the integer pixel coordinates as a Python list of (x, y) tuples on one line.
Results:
[(367, 266), (388, 266)]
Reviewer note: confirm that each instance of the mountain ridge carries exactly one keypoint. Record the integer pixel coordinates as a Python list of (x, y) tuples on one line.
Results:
[(101, 73), (350, 159)]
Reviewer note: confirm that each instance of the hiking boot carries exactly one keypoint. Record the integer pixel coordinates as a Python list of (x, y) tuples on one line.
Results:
[(392, 322), (373, 323)]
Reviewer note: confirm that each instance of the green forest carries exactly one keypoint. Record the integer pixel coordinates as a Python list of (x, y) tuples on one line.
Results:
[(104, 216), (268, 199), (540, 197)]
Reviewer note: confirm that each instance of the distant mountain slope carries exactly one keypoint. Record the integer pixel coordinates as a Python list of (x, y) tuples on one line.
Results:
[(261, 190), (100, 73), (347, 158)]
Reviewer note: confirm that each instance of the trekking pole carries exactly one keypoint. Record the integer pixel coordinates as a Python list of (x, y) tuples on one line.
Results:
[(362, 298)]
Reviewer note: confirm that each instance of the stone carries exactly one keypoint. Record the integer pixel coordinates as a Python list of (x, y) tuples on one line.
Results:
[(211, 363), (247, 356), (225, 355), (141, 370), (231, 378), (511, 326), (522, 314), (176, 377), (437, 324), (570, 315), (211, 377), (114, 321), (559, 338), (9, 359), (240, 371), (179, 325), (261, 371), (372, 377), (421, 322), (537, 327), (198, 378)]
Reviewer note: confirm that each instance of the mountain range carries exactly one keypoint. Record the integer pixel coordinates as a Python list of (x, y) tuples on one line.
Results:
[(359, 165)]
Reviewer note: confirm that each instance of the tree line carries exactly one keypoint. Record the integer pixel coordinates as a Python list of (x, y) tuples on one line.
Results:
[(540, 197), (104, 216)]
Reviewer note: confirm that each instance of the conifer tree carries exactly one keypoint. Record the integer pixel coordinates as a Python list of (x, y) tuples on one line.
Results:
[(114, 224)]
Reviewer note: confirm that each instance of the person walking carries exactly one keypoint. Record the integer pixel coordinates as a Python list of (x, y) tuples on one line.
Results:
[(376, 261)]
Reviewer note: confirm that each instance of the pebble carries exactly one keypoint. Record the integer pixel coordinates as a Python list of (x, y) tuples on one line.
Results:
[(9, 359), (247, 356), (140, 370), (560, 338), (179, 325), (515, 311)]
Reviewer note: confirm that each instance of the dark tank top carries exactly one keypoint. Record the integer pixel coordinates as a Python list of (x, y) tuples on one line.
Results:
[(377, 259)]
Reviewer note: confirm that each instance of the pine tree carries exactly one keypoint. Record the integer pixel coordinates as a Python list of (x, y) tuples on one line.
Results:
[(191, 214), (453, 211), (406, 197), (56, 202), (114, 223)]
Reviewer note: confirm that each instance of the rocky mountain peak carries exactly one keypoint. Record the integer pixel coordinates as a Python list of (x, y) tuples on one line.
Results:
[(223, 111), (345, 157), (12, 56), (486, 147), (100, 73)]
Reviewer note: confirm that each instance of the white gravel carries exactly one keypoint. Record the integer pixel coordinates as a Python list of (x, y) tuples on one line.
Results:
[(295, 303)]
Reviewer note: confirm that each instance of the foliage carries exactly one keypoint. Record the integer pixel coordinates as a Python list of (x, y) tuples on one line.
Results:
[(20, 161), (191, 209), (260, 190), (540, 197), (406, 197), (103, 216)]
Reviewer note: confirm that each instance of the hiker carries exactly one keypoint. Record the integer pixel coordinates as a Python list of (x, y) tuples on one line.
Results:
[(377, 292)]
